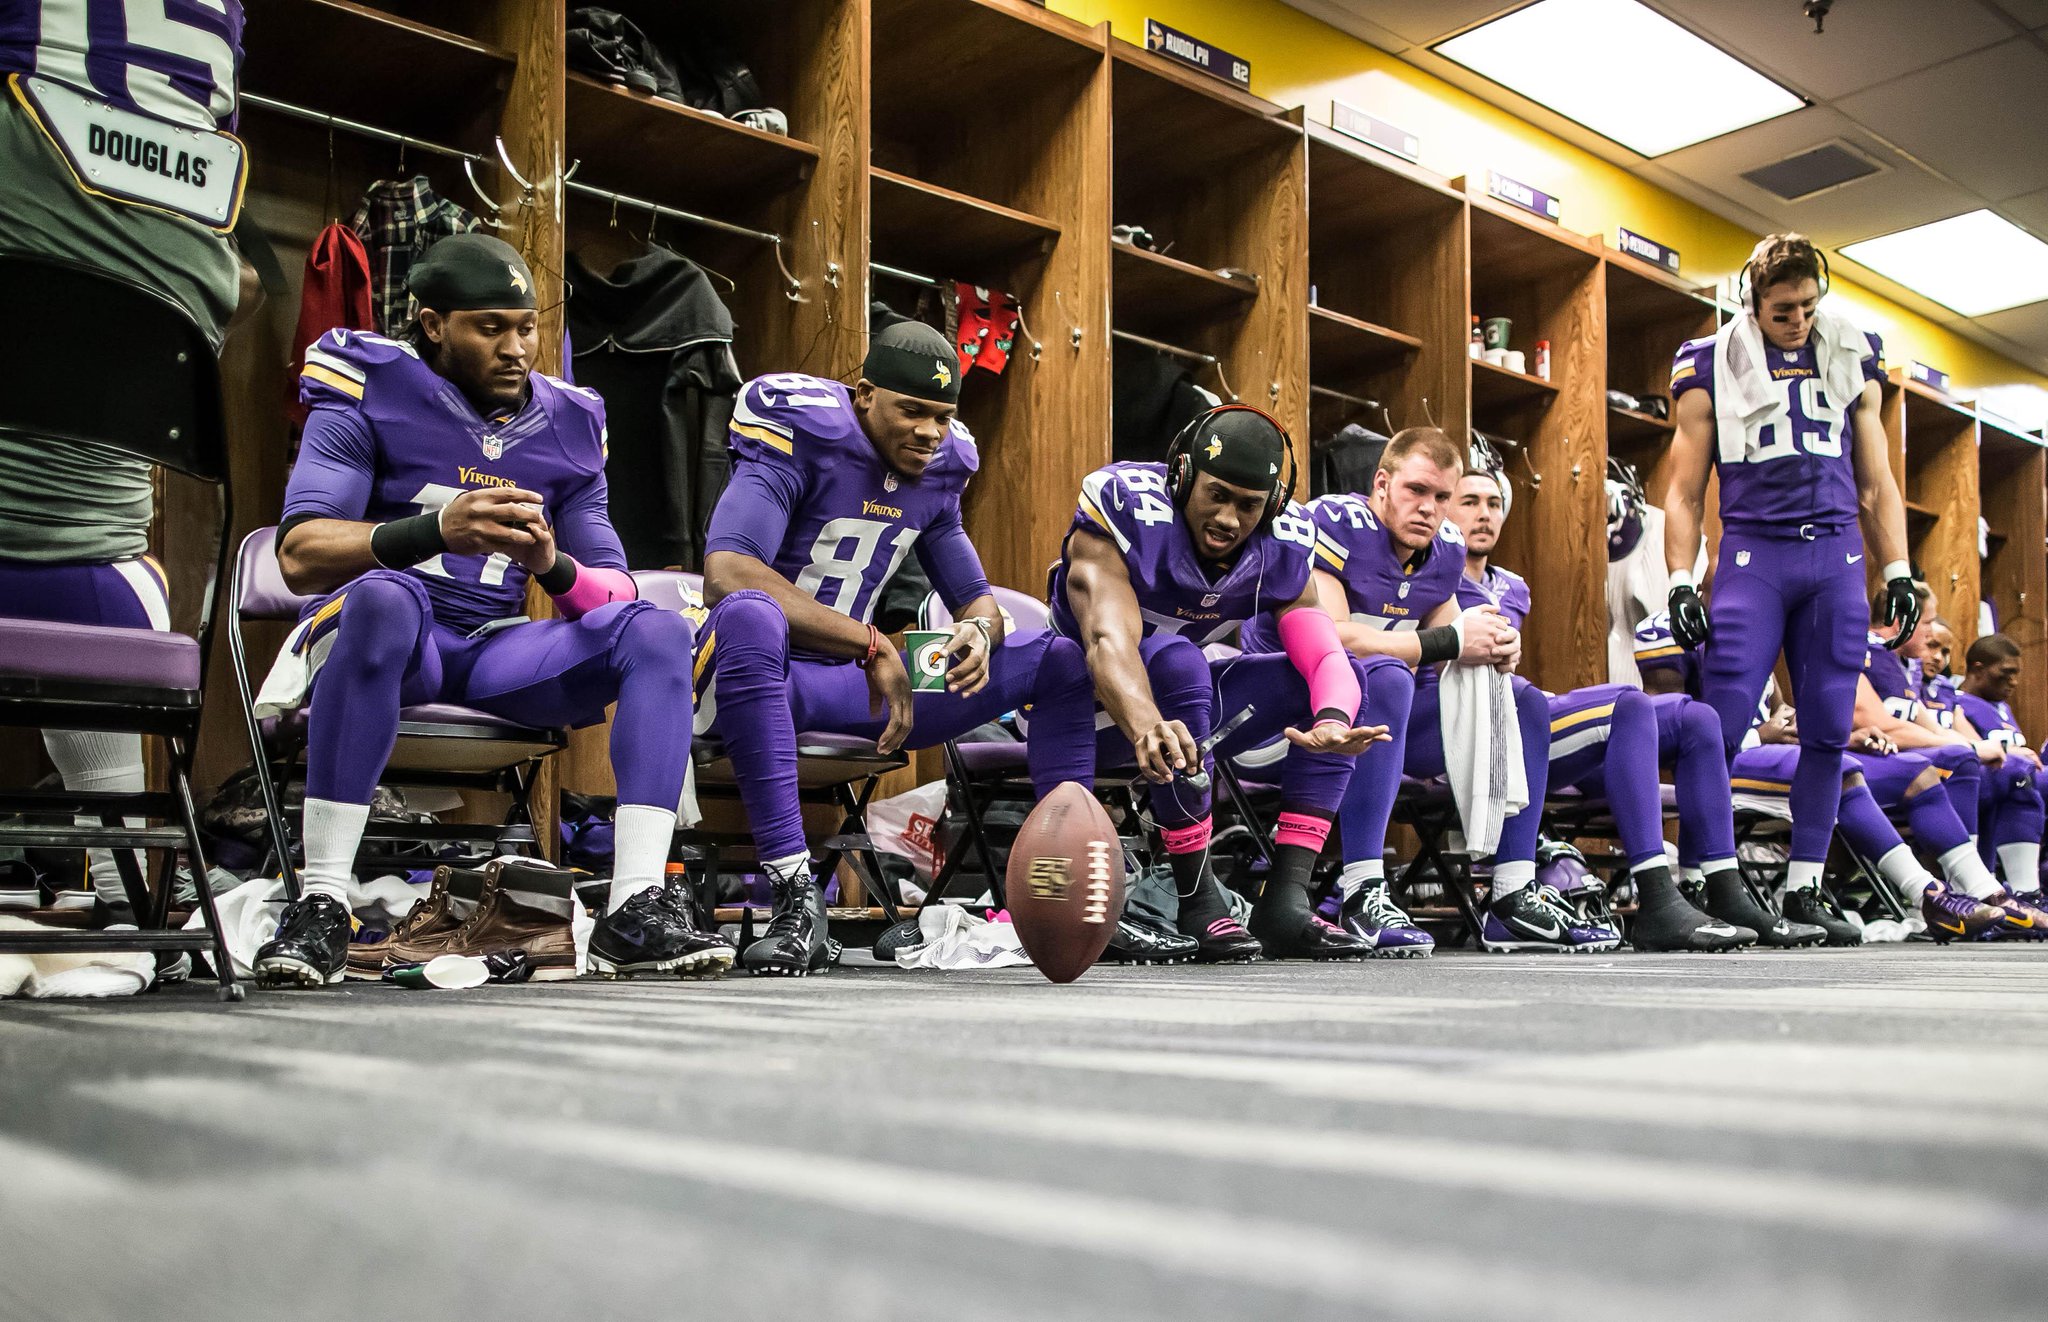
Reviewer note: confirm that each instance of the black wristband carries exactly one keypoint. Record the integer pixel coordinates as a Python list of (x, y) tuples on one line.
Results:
[(1332, 714), (403, 543), (1439, 644), (561, 576)]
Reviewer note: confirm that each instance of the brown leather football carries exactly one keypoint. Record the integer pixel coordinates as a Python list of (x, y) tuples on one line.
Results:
[(1065, 882)]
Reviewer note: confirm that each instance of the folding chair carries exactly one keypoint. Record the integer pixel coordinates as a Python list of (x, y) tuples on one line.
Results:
[(440, 745), (834, 771), (72, 321)]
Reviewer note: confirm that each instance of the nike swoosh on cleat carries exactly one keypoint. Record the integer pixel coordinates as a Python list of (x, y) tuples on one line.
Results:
[(1958, 929), (1715, 929), (1553, 934)]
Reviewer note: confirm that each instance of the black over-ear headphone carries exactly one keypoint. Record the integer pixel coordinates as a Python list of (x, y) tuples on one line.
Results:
[(1180, 463), (1755, 295)]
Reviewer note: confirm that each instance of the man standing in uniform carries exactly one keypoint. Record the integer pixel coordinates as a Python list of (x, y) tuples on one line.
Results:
[(1162, 560), (1783, 403), (435, 477), (74, 519), (831, 487)]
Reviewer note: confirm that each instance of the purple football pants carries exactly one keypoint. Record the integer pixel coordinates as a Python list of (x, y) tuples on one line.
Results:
[(2012, 808), (1417, 749), (758, 696), (128, 594), (1804, 597), (1189, 688), (1609, 740), (390, 653), (1935, 814)]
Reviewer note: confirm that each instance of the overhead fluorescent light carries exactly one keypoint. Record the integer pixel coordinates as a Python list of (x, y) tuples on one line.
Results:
[(1622, 70), (1975, 263)]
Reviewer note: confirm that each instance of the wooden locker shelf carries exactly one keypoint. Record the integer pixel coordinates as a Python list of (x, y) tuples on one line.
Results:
[(2012, 486), (1630, 428), (1941, 477), (1920, 516), (1496, 387), (365, 64), (1151, 288), (943, 233), (1346, 345), (675, 154)]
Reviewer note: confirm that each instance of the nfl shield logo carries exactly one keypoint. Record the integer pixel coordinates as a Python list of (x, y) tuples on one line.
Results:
[(1742, 558), (1404, 589), (888, 481), (1212, 599), (493, 447)]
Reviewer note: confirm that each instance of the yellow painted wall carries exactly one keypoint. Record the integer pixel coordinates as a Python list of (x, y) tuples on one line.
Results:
[(1299, 60)]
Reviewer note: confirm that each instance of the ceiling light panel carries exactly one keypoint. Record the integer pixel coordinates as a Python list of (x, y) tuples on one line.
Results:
[(1974, 263)]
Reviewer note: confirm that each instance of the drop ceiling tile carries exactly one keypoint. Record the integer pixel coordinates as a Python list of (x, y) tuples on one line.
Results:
[(2033, 13), (1866, 42), (1420, 22), (2025, 326), (2029, 212), (1976, 119)]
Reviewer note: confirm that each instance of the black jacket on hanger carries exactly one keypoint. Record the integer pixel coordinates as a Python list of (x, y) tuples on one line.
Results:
[(1346, 461), (655, 341), (1152, 397)]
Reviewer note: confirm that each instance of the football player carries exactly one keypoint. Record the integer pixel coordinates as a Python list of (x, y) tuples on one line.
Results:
[(75, 519), (1938, 689), (1608, 740), (1387, 568), (1161, 561), (1763, 772), (1794, 434), (832, 486), (437, 475), (1984, 707)]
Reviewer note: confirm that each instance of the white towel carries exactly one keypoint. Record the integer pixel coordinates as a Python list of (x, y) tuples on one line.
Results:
[(72, 973), (1482, 752), (953, 938), (1743, 392)]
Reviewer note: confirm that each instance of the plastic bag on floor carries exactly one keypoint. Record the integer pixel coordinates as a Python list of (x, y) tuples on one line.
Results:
[(907, 825), (953, 938)]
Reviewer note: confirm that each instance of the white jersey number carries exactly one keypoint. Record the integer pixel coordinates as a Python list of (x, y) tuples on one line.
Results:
[(432, 499), (1818, 433), (840, 559), (62, 56)]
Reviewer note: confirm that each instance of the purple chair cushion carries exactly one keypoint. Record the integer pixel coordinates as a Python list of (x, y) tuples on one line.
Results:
[(431, 713), (94, 653), (1026, 612), (264, 595), (993, 758)]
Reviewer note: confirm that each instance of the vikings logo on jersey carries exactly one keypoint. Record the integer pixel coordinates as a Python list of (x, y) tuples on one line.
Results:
[(1131, 505), (850, 518), (389, 437), (1798, 462)]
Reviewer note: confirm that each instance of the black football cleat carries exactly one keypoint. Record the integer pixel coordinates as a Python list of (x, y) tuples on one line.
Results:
[(1730, 901), (311, 945), (655, 932), (1224, 941), (795, 943), (1810, 904), (1297, 932), (1139, 942)]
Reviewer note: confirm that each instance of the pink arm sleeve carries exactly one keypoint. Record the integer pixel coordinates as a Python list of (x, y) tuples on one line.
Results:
[(593, 588), (1311, 642)]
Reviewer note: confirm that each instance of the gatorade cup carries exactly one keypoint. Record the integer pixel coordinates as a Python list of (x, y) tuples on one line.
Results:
[(927, 648), (1495, 331)]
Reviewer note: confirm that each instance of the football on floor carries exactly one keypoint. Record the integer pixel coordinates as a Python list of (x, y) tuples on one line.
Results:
[(1065, 883)]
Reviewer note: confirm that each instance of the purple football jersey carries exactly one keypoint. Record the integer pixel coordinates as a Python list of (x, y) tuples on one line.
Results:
[(1130, 505), (1938, 694), (1890, 675), (1994, 720), (1799, 465), (1656, 649), (1503, 588), (811, 497), (174, 60), (388, 437)]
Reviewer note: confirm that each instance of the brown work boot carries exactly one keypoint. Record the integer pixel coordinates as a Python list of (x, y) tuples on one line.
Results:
[(432, 923), (531, 910)]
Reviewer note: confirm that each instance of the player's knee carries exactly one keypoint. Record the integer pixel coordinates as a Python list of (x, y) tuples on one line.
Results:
[(381, 618), (657, 641), (1920, 784), (749, 624), (1633, 707), (1180, 675), (1698, 727)]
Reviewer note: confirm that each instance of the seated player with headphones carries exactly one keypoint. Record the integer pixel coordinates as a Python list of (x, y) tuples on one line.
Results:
[(1161, 560), (1387, 569), (438, 474), (831, 487)]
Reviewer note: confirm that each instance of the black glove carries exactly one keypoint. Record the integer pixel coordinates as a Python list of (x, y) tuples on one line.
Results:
[(1901, 607), (1688, 616)]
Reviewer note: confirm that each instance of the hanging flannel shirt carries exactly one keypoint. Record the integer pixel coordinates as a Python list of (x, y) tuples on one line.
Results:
[(400, 219)]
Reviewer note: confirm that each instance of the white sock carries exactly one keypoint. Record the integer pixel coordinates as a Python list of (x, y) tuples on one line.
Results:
[(2021, 865), (641, 838), (1715, 866), (1902, 869), (787, 869), (1511, 877), (1966, 870), (333, 832), (1803, 876), (105, 762), (1357, 876)]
